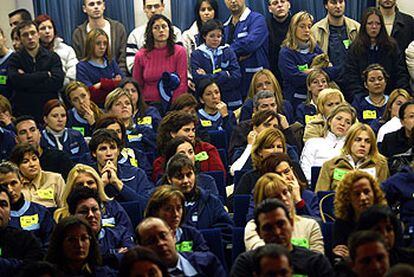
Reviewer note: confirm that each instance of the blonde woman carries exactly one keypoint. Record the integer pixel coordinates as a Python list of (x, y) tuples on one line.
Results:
[(265, 80), (357, 192), (319, 150), (328, 99), (306, 231), (360, 152), (112, 212), (296, 55)]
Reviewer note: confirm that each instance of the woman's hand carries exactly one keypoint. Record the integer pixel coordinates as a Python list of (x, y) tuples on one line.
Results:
[(283, 122), (6, 118), (341, 250), (222, 109), (251, 137), (88, 113), (109, 176), (296, 194)]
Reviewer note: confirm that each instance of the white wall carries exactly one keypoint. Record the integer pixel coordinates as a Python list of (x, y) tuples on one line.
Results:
[(406, 6)]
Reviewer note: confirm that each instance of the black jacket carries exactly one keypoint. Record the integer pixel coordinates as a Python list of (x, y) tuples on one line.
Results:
[(403, 30), (56, 161), (35, 87), (395, 143)]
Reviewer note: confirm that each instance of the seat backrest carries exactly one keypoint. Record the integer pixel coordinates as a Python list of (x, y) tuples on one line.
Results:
[(215, 243), (223, 156), (218, 138), (315, 170), (326, 205), (135, 211), (240, 208), (327, 233), (237, 176), (238, 246), (220, 182)]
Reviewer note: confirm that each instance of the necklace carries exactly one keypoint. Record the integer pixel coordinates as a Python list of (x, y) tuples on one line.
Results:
[(379, 103)]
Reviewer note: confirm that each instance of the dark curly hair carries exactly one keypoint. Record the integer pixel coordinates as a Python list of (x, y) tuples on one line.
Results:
[(149, 36)]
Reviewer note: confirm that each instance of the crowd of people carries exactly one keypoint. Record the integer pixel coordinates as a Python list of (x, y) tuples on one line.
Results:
[(118, 153)]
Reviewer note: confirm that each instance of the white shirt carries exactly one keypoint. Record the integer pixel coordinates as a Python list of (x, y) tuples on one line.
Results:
[(392, 125)]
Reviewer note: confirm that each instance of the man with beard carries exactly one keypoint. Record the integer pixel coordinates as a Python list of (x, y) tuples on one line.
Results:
[(398, 25), (335, 33)]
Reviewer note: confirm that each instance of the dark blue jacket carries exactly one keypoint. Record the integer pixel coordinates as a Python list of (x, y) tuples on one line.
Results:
[(203, 181), (366, 111), (375, 125), (151, 118), (110, 240), (207, 212), (77, 122), (222, 66), (247, 111), (72, 141), (189, 239), (400, 188), (304, 113), (113, 214), (210, 122), (291, 65), (5, 89), (34, 218), (90, 74), (137, 158), (251, 38), (142, 138), (7, 142), (205, 263)]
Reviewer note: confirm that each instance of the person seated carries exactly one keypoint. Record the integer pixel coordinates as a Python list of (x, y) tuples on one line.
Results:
[(39, 269), (203, 209), (85, 112), (168, 203), (185, 102), (118, 103), (297, 58), (6, 113), (74, 249), (182, 124), (319, 150), (357, 192), (275, 225), (265, 80), (39, 186), (50, 159), (143, 114), (18, 247), (382, 220), (142, 261), (49, 39), (373, 45), (134, 151), (55, 135), (185, 146), (98, 70), (214, 114), (153, 232), (368, 253), (399, 190), (359, 152), (25, 215), (390, 121), (124, 182), (212, 60), (7, 143), (372, 107), (306, 231), (316, 81), (400, 142), (327, 100), (113, 214), (113, 242), (16, 43), (269, 141), (272, 260)]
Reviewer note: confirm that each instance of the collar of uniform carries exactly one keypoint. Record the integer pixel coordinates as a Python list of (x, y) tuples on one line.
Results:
[(184, 266), (243, 17)]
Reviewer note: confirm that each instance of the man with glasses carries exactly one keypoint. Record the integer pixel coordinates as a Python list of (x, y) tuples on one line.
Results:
[(136, 39), (95, 9)]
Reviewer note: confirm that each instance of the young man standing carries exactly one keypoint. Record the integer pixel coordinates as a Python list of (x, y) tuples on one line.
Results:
[(335, 32), (115, 30)]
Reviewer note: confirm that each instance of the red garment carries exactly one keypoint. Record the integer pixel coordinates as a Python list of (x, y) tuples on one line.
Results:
[(213, 163), (98, 95), (149, 66)]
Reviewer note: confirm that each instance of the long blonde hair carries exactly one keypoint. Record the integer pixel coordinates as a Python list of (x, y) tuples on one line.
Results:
[(70, 183), (291, 41)]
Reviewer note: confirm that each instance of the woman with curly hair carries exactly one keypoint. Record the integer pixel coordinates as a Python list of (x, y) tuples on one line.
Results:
[(168, 203), (357, 192), (160, 54), (85, 176), (306, 231), (360, 152), (265, 80)]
